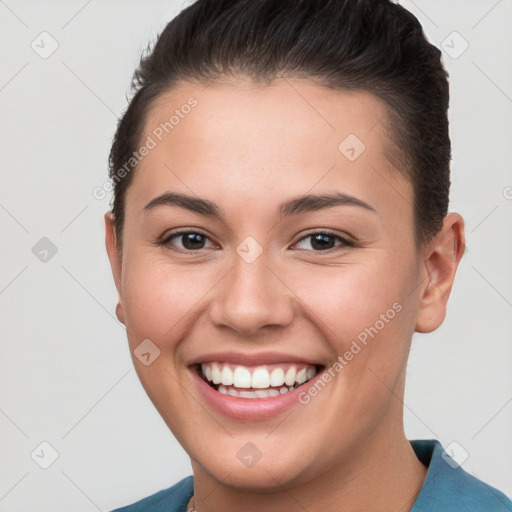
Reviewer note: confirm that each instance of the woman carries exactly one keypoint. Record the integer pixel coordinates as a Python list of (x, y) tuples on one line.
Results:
[(279, 230)]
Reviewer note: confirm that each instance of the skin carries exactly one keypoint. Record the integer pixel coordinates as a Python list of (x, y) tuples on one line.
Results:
[(248, 149)]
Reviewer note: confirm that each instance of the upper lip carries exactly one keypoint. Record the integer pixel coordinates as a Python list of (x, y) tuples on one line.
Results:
[(247, 359)]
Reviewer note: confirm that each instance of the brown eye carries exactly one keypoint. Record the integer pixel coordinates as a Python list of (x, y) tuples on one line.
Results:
[(186, 241), (324, 241)]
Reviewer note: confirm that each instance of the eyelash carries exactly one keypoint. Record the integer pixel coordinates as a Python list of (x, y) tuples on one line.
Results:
[(344, 242)]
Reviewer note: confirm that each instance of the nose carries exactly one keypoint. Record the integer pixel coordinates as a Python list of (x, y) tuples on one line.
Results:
[(252, 296)]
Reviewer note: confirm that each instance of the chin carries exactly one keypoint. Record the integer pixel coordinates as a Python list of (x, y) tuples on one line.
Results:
[(260, 466)]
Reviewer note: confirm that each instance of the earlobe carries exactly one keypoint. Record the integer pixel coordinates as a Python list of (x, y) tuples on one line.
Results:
[(115, 259), (441, 259), (120, 313)]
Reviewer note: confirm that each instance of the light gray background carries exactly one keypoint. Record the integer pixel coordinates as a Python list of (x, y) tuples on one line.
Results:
[(65, 371)]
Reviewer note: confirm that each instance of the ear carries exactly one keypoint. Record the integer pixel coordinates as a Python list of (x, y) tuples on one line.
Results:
[(115, 258), (441, 258)]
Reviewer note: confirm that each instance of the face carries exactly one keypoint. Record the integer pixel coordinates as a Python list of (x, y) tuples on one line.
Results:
[(291, 258)]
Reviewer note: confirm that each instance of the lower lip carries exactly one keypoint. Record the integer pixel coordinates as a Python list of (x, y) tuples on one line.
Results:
[(250, 408)]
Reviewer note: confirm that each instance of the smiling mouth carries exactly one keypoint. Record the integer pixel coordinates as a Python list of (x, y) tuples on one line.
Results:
[(263, 381)]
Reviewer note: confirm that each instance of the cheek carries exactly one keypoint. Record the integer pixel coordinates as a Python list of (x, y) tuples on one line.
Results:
[(159, 298), (350, 298), (365, 312)]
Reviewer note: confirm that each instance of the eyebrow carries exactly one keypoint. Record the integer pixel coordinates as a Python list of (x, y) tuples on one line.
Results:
[(301, 204)]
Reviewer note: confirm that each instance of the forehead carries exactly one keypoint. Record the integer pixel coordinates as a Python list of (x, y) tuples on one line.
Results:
[(289, 137), (296, 110)]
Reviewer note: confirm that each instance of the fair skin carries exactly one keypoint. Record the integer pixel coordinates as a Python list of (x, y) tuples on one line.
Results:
[(248, 149)]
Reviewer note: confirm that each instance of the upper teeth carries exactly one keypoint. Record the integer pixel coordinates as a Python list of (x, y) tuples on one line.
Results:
[(260, 377)]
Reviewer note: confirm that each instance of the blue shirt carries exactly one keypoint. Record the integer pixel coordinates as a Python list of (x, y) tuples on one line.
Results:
[(447, 488)]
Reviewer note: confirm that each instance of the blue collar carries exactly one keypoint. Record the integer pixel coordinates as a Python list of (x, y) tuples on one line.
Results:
[(448, 488)]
